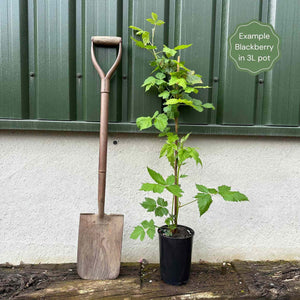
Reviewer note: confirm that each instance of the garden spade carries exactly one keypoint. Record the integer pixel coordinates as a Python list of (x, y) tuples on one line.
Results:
[(100, 235)]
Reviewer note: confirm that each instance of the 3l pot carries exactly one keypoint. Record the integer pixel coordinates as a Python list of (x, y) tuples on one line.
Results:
[(175, 254)]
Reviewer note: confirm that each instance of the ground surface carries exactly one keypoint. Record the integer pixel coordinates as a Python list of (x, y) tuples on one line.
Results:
[(235, 280)]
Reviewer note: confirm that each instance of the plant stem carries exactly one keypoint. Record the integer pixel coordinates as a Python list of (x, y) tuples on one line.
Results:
[(176, 204), (187, 203)]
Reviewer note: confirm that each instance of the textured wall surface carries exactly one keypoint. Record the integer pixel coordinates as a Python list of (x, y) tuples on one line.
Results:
[(48, 179)]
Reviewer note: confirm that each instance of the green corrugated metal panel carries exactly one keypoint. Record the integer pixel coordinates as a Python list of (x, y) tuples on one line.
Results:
[(197, 29), (51, 39), (139, 102), (13, 58), (237, 90), (100, 17), (282, 83), (54, 59)]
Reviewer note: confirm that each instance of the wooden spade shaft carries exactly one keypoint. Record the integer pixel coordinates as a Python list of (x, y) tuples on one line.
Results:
[(103, 152), (105, 89)]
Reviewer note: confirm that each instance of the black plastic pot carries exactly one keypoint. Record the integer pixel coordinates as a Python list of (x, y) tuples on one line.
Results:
[(175, 256)]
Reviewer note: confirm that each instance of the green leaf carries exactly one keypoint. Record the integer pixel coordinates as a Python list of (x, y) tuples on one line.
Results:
[(135, 28), (156, 176), (154, 16), (160, 75), (149, 80), (172, 137), (155, 114), (143, 122), (138, 43), (161, 122), (151, 232), (161, 211), (183, 139), (202, 188), (149, 204), (162, 202), (175, 190), (190, 89), (213, 191), (195, 155), (155, 188), (145, 224), (170, 180), (160, 22), (168, 221), (197, 105), (193, 78), (179, 81), (208, 105), (180, 47), (228, 195), (204, 202), (183, 176), (168, 51), (151, 21), (138, 232), (149, 47), (145, 37), (164, 95), (178, 101), (164, 150), (224, 189)]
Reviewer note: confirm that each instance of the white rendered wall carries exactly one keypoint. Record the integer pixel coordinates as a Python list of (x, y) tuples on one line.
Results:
[(47, 179)]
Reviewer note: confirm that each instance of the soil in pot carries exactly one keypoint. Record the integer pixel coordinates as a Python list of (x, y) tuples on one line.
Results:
[(175, 254)]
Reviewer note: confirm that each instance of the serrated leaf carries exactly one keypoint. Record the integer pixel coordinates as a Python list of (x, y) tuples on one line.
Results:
[(179, 101), (145, 37), (143, 122), (223, 188), (161, 211), (164, 95), (170, 180), (208, 105), (180, 47), (138, 43), (164, 150), (175, 190), (149, 80), (160, 75), (155, 114), (151, 21), (149, 204), (183, 139), (233, 196), (161, 122), (193, 78), (168, 221), (154, 16), (213, 191), (195, 155), (138, 232), (179, 81), (150, 47), (145, 224), (204, 202), (168, 51), (160, 22), (162, 202), (155, 188), (151, 232), (135, 28), (202, 188), (156, 176)]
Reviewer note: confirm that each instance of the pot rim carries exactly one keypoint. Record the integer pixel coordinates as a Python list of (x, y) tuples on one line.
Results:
[(192, 232)]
